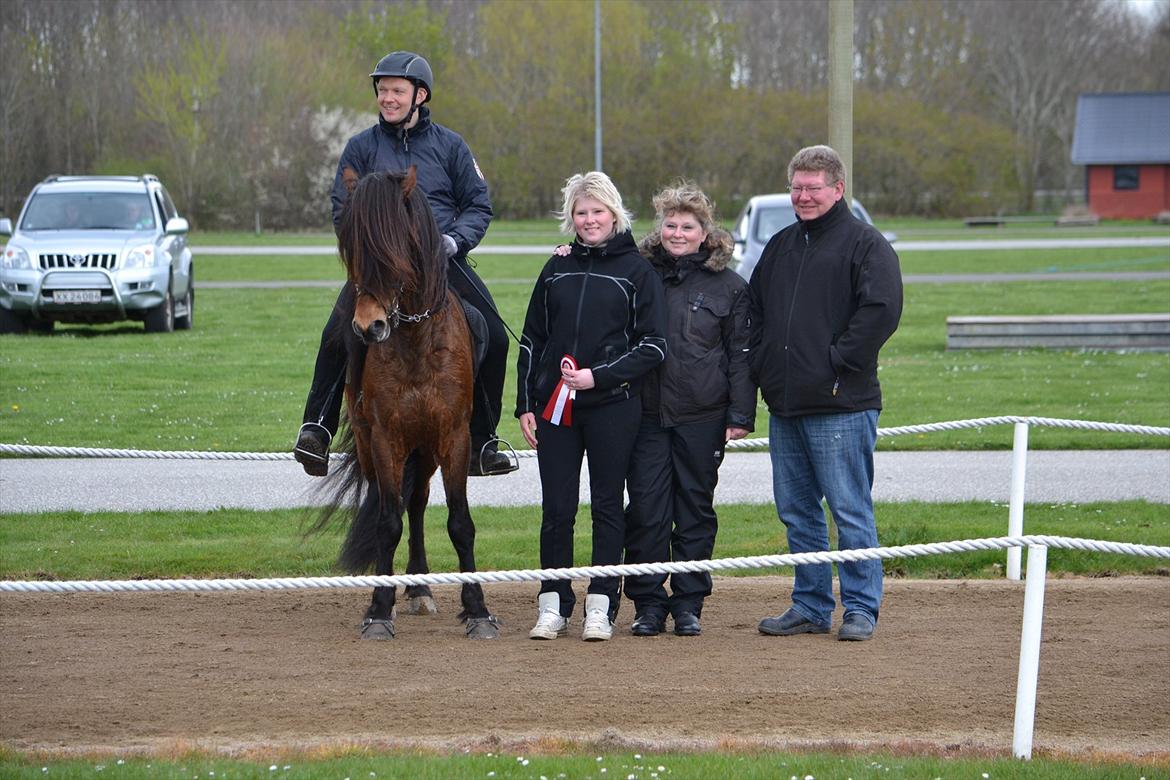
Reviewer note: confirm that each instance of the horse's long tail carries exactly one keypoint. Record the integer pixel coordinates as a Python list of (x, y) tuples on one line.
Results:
[(342, 489), (376, 528)]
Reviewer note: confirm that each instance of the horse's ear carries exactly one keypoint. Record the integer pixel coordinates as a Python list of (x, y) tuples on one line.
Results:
[(409, 182), (349, 178)]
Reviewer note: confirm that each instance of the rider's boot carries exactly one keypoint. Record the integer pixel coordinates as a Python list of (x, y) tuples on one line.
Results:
[(312, 449), (488, 461)]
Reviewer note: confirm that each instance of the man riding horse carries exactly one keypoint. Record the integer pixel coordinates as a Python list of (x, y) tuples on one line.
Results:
[(458, 195)]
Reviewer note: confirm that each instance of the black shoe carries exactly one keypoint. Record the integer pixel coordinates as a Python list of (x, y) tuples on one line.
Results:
[(648, 624), (312, 449), (687, 624), (855, 628), (791, 622), (490, 463)]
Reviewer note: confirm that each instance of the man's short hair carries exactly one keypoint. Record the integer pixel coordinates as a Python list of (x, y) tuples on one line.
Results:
[(598, 186), (818, 158)]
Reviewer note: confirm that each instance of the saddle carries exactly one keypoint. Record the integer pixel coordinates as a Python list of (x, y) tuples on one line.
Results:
[(479, 333)]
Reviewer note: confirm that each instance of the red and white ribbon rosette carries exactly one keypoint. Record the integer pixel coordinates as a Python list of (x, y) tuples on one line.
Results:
[(559, 409)]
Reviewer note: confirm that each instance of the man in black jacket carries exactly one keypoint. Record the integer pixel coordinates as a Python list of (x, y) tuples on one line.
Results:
[(825, 297)]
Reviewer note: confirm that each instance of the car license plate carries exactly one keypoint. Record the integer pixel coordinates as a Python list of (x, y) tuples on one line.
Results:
[(77, 296)]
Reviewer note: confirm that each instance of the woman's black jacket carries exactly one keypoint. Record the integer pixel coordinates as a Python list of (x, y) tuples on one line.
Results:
[(604, 307), (705, 375)]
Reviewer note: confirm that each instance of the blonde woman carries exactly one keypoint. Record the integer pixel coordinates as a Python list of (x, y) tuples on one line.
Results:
[(594, 328)]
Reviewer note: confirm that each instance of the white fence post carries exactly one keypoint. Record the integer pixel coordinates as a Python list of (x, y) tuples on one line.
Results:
[(1016, 502), (1030, 652)]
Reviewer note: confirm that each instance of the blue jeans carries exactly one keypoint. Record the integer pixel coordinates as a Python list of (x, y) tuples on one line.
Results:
[(830, 457)]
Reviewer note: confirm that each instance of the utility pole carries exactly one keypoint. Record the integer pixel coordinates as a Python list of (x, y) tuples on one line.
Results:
[(597, 85), (841, 86)]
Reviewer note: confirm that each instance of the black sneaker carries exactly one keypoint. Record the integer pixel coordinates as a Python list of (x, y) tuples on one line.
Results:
[(312, 449), (490, 463)]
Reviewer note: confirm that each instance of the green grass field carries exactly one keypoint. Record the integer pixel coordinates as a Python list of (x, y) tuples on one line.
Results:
[(243, 543)]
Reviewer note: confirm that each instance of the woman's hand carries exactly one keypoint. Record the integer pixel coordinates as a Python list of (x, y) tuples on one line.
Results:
[(562, 250), (528, 428), (735, 433), (579, 379)]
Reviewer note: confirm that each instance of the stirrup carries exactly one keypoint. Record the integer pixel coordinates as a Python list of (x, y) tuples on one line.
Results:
[(509, 453), (313, 454)]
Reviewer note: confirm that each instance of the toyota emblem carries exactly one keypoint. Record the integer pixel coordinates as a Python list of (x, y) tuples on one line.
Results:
[(76, 260)]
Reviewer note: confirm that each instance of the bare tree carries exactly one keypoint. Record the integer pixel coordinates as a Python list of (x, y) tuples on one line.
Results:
[(1034, 59)]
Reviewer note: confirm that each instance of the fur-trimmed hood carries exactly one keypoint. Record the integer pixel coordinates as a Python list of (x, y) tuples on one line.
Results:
[(718, 245)]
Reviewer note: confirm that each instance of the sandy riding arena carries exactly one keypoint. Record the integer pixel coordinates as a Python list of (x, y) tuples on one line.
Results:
[(230, 671)]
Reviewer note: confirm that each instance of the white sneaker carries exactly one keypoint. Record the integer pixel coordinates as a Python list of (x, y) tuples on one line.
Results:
[(549, 623), (598, 627)]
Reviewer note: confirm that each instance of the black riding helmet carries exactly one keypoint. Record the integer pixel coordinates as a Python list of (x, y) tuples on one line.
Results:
[(405, 65)]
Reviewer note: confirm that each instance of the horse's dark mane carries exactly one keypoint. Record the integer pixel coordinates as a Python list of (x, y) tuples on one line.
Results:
[(389, 241)]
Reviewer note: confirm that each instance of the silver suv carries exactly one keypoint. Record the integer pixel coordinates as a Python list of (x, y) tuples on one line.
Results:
[(89, 249)]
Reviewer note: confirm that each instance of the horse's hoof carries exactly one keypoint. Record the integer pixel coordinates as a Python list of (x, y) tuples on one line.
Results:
[(483, 628), (377, 629), (423, 605)]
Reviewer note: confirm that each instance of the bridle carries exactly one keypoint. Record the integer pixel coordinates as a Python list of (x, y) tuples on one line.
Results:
[(394, 313)]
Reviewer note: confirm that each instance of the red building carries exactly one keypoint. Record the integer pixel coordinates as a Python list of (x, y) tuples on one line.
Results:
[(1123, 140)]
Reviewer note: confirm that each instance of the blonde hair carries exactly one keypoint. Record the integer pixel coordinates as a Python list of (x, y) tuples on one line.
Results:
[(598, 186), (684, 196)]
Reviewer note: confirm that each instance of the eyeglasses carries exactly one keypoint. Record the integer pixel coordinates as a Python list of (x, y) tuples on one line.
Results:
[(812, 191)]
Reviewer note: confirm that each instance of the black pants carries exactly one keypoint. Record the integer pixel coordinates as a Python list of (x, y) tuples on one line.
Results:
[(604, 434), (325, 393), (672, 481)]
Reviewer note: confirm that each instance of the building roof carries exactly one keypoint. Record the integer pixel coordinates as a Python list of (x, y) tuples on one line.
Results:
[(1122, 128)]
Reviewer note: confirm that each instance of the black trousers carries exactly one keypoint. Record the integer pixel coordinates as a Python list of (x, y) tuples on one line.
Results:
[(325, 393), (605, 435), (673, 474)]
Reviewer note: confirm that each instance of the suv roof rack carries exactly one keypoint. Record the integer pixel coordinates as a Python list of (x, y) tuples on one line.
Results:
[(82, 177)]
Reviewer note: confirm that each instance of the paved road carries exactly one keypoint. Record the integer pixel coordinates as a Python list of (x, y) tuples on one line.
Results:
[(41, 485)]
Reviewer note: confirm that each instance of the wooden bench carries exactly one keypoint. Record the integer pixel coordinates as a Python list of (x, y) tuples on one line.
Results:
[(1136, 332)]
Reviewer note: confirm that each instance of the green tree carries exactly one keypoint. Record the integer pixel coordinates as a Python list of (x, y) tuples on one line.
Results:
[(526, 109), (177, 100)]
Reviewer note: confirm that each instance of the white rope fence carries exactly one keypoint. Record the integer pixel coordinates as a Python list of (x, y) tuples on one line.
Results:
[(583, 572), (42, 451)]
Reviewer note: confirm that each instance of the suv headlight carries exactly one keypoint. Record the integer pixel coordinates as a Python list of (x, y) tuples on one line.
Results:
[(14, 257), (143, 256)]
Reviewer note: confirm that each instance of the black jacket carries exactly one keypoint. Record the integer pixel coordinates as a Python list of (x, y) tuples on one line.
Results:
[(705, 375), (825, 296), (447, 173), (602, 305)]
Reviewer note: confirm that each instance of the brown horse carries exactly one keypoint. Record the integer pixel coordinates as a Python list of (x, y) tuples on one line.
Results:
[(408, 394)]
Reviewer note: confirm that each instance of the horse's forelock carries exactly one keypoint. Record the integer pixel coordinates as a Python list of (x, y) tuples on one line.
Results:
[(389, 240)]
